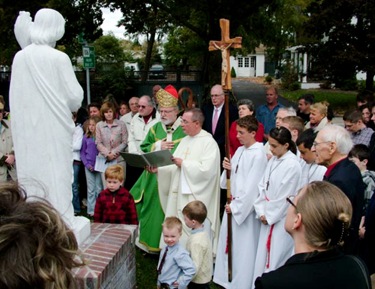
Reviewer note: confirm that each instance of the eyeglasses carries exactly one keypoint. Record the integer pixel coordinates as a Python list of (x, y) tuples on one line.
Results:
[(216, 95), (315, 144), (290, 201), (142, 106)]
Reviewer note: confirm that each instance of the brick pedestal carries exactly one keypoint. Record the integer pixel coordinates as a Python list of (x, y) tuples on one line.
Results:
[(110, 256)]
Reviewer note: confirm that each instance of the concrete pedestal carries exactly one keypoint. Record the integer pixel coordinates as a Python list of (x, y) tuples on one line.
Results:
[(110, 256), (81, 229)]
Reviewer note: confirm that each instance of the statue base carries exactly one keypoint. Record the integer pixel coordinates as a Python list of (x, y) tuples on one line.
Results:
[(81, 229), (109, 254)]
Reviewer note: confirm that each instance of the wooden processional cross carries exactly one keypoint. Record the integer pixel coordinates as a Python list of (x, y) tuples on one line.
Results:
[(224, 45)]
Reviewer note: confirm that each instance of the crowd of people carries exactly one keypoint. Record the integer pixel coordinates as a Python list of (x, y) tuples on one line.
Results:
[(301, 188), (294, 191)]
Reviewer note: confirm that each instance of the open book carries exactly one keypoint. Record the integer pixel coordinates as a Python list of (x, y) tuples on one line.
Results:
[(153, 159)]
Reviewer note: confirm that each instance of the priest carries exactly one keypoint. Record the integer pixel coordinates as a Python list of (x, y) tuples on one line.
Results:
[(195, 175), (165, 134)]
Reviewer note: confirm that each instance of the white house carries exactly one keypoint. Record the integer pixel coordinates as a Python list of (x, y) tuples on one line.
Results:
[(251, 65)]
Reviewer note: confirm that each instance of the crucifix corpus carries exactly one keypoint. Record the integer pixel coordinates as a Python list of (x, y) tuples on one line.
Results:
[(224, 45)]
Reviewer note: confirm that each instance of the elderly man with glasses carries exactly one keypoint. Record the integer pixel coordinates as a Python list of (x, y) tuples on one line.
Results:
[(214, 123), (331, 146), (142, 121)]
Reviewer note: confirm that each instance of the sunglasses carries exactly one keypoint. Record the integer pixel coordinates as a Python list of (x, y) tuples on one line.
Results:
[(290, 201)]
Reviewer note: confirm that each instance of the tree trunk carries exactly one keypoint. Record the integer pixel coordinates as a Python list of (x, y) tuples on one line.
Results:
[(150, 45), (370, 80)]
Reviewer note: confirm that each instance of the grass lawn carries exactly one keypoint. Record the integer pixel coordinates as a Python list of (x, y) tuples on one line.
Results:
[(146, 270), (338, 99)]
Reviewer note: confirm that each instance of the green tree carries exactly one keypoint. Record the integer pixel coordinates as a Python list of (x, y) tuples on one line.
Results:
[(109, 50), (347, 33), (200, 17), (283, 26), (183, 48), (110, 72), (142, 18), (81, 16)]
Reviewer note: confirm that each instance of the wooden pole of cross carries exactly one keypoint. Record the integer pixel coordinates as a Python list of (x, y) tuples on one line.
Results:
[(224, 45)]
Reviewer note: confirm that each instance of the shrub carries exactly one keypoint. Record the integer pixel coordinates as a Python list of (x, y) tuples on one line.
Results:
[(268, 79), (289, 75), (233, 73), (326, 85), (349, 84), (294, 86)]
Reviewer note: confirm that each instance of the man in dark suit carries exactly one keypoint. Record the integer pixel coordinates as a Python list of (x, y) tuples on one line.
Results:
[(216, 110), (214, 123), (331, 146)]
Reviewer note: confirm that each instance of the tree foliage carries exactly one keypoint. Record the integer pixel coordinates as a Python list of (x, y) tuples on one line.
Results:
[(81, 16), (347, 28), (200, 17), (110, 73), (183, 49), (108, 49)]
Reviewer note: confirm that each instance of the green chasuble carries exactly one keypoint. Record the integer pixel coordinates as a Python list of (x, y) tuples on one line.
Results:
[(145, 190)]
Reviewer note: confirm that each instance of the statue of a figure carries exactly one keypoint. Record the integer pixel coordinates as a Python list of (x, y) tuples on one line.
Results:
[(44, 92)]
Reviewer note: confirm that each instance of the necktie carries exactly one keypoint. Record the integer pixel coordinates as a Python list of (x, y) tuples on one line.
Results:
[(214, 121), (162, 260)]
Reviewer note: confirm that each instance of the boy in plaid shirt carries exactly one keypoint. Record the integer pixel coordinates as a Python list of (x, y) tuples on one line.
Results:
[(115, 204)]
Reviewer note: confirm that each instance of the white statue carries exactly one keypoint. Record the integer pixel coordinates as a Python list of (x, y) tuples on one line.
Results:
[(44, 92)]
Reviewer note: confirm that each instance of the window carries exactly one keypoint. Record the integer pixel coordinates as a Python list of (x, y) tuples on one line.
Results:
[(240, 62), (246, 61), (253, 61)]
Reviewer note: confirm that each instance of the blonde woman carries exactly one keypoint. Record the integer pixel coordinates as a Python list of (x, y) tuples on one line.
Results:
[(318, 116), (318, 219)]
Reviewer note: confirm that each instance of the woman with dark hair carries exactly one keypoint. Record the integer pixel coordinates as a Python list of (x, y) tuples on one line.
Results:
[(366, 115), (281, 179), (318, 219), (245, 107)]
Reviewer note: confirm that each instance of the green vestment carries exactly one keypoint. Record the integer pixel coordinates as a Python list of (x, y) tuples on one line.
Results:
[(145, 190)]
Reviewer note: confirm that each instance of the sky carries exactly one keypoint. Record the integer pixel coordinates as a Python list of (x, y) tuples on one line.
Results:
[(110, 22)]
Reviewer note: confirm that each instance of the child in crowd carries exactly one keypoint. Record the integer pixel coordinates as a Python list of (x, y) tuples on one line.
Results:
[(89, 152), (76, 145), (360, 155), (175, 267), (198, 244), (310, 170), (115, 204)]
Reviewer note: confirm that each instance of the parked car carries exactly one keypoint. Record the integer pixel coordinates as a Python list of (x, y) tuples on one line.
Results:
[(157, 72)]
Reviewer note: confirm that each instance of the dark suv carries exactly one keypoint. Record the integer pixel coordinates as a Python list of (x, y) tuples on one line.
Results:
[(157, 72)]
